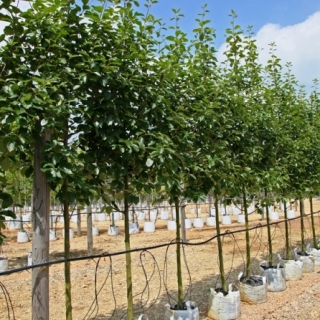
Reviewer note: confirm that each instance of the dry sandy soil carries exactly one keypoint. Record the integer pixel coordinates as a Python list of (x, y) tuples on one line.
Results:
[(154, 273)]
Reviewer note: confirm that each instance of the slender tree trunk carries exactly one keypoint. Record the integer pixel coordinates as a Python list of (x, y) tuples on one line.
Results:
[(89, 231), (67, 273), (269, 230), (220, 249), (246, 216), (40, 240), (78, 222), (210, 200), (303, 247), (183, 221), (315, 243), (178, 251), (128, 254), (288, 255)]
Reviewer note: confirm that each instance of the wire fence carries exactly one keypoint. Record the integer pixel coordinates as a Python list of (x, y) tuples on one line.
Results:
[(99, 280)]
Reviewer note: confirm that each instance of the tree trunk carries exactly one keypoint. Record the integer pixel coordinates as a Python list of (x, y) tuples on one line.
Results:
[(288, 255), (40, 240), (220, 249), (89, 231), (128, 254), (78, 222), (183, 221), (67, 273), (303, 248), (178, 250), (301, 201), (269, 230), (248, 254), (210, 200), (315, 243)]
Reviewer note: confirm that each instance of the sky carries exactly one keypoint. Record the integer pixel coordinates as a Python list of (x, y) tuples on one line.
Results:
[(294, 25)]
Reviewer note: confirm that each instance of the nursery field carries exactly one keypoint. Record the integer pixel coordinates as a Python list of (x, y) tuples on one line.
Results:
[(98, 285)]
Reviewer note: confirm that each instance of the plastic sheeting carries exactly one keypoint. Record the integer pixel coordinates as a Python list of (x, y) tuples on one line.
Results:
[(276, 277), (192, 312), (254, 294), (224, 307)]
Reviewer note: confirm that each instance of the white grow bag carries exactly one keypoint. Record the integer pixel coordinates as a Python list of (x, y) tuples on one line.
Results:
[(192, 313), (254, 294), (308, 261), (316, 254), (210, 221), (276, 277), (293, 269), (224, 307), (133, 227)]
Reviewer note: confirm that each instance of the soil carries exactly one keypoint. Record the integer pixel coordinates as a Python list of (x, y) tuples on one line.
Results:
[(99, 285)]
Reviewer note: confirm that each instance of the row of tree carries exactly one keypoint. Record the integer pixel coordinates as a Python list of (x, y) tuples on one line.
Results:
[(105, 101)]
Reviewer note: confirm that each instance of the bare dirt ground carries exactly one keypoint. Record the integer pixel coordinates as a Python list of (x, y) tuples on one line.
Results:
[(99, 285)]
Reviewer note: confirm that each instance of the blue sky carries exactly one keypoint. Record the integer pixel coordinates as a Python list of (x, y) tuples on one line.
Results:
[(250, 12), (294, 25)]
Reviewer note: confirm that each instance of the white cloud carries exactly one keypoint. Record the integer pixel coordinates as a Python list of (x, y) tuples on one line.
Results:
[(298, 44)]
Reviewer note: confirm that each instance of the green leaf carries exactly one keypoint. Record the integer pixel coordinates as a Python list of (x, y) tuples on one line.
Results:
[(7, 200)]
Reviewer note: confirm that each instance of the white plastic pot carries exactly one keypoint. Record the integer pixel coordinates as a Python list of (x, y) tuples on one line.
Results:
[(236, 211), (192, 312), (30, 258), (26, 218), (113, 231), (153, 215), (211, 221), (52, 235), (226, 219), (4, 263), (316, 254), (224, 307), (141, 216), (223, 211), (171, 225), (276, 277), (241, 218), (291, 214), (254, 294), (251, 209), (116, 216), (95, 231), (13, 224), (101, 217), (149, 226), (71, 233), (293, 269), (188, 223), (213, 212), (133, 227), (308, 262), (22, 236), (274, 215), (164, 215), (198, 222)]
